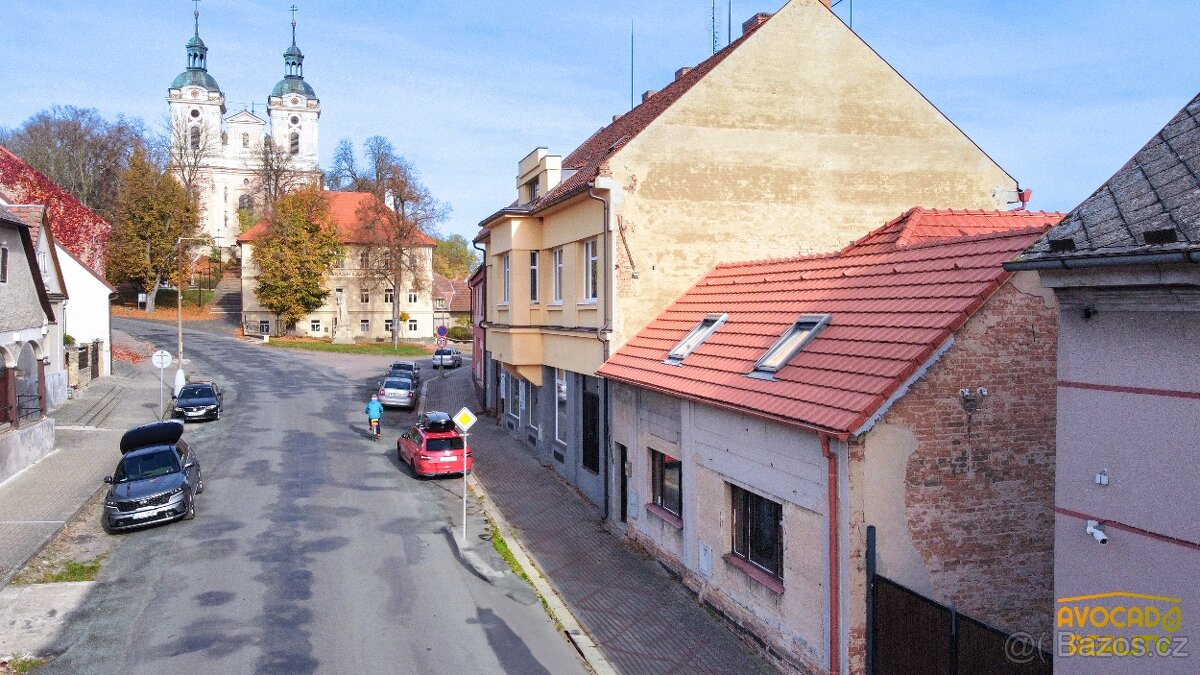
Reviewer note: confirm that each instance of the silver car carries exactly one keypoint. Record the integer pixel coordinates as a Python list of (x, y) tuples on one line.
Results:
[(447, 357), (398, 392), (156, 480)]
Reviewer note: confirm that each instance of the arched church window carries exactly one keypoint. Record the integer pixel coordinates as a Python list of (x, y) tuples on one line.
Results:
[(246, 203), (294, 143), (194, 134), (245, 140)]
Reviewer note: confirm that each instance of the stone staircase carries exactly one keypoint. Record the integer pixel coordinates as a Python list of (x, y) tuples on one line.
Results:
[(227, 296)]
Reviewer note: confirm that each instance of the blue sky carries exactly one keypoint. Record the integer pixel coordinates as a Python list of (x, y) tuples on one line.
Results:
[(1060, 93)]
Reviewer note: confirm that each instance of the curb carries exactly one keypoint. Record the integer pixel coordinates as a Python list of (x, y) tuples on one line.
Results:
[(555, 605)]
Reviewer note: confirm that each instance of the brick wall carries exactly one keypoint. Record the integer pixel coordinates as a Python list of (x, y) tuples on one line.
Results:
[(979, 496)]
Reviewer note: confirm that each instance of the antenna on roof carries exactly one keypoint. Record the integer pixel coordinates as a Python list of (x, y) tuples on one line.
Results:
[(850, 16), (729, 23), (631, 96), (714, 25)]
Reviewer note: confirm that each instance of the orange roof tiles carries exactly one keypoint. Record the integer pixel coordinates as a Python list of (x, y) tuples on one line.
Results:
[(343, 213), (895, 296)]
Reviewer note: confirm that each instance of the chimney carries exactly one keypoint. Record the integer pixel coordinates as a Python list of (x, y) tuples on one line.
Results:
[(647, 94), (681, 72), (616, 117), (755, 21)]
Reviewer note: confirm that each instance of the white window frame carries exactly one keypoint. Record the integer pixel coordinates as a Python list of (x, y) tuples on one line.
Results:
[(591, 271), (364, 296), (803, 330), (387, 325), (364, 325), (558, 276), (412, 297), (314, 325), (560, 384), (389, 295), (504, 285), (533, 278), (707, 326), (534, 414), (412, 324)]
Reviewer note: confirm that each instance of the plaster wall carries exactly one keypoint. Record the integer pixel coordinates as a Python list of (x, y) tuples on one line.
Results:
[(18, 297), (22, 447), (88, 315), (801, 140)]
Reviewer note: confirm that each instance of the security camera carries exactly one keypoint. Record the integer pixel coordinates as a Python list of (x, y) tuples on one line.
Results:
[(1093, 528), (964, 392), (982, 391)]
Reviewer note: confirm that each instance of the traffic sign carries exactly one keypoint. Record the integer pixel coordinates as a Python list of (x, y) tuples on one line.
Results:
[(464, 419), (441, 342), (161, 358), (441, 331)]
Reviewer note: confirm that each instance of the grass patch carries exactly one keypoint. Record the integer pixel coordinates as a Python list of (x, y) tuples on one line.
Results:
[(502, 548), (70, 571), (22, 664), (377, 349)]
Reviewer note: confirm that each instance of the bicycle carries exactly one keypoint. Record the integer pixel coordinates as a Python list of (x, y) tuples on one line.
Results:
[(375, 432)]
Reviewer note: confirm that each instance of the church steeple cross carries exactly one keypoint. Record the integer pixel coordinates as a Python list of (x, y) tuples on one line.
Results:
[(293, 11), (196, 14)]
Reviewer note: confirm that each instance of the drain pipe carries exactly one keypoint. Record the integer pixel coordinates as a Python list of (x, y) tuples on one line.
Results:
[(834, 600), (606, 326)]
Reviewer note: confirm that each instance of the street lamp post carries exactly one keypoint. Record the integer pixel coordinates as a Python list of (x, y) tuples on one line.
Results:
[(179, 297)]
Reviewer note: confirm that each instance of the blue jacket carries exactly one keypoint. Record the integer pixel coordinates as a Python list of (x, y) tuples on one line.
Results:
[(374, 409)]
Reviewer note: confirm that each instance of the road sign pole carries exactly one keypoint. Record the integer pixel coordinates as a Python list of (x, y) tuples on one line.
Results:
[(161, 359), (466, 451), (161, 409)]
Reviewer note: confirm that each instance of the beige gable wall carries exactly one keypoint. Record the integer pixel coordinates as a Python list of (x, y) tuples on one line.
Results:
[(801, 140)]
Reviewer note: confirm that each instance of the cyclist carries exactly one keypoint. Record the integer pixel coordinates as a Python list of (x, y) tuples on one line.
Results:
[(374, 411)]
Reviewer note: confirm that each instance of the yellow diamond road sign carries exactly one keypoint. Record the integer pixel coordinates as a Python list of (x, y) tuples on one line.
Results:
[(464, 419)]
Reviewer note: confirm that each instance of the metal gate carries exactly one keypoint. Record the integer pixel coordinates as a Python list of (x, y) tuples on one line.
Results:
[(909, 634)]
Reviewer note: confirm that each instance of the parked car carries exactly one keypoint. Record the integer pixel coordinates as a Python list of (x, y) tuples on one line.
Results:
[(433, 446), (199, 400), (157, 479), (409, 367), (398, 391), (447, 357)]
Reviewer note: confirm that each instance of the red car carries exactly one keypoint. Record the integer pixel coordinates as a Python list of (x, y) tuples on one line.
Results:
[(433, 446)]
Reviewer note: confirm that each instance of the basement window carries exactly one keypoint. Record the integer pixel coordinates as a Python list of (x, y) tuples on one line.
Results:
[(708, 325), (789, 344)]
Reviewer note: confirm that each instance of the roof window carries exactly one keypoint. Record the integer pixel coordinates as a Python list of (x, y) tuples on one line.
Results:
[(708, 325), (805, 328)]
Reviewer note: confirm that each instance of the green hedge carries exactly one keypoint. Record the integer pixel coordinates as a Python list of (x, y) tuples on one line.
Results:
[(459, 334)]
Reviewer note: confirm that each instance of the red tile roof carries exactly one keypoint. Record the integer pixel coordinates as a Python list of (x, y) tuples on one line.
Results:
[(919, 225), (343, 213), (891, 307), (455, 292), (75, 227)]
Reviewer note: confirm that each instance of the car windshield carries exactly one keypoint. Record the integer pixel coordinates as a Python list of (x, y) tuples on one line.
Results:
[(403, 366), (443, 352), (196, 391), (439, 444), (398, 384), (145, 465)]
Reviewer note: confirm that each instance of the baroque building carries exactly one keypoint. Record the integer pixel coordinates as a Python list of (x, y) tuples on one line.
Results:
[(223, 157)]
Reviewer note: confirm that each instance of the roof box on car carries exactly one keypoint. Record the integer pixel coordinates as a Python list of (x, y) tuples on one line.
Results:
[(154, 433), (437, 421)]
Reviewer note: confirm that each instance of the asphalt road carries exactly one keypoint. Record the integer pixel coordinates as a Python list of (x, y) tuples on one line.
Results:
[(312, 550)]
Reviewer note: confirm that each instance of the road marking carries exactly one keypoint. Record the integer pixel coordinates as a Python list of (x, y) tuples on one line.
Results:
[(33, 522), (86, 427)]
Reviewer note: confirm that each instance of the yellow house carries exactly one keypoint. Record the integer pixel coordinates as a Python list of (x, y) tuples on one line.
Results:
[(796, 138), (368, 299)]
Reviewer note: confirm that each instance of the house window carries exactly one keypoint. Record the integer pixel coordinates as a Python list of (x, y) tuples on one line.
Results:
[(412, 324), (340, 262), (389, 295), (758, 530), (4, 265), (514, 396), (707, 326), (531, 189), (504, 279), (364, 325), (558, 264), (789, 344), (533, 277), (294, 143), (387, 325), (412, 297), (364, 295), (364, 260), (245, 140), (560, 405), (591, 271), (440, 303), (666, 478), (315, 325), (246, 203), (338, 294), (264, 327), (534, 416), (589, 422)]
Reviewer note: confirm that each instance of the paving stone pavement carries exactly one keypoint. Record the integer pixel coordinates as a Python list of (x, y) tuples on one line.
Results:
[(37, 502), (643, 620)]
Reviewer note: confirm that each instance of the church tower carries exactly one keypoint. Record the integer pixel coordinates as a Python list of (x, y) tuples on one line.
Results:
[(196, 101), (294, 109)]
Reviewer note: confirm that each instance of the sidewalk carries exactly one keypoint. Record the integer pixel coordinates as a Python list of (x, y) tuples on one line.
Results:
[(642, 620), (36, 503)]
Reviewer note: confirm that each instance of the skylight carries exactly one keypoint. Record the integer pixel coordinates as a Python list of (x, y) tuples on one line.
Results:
[(708, 325), (789, 344)]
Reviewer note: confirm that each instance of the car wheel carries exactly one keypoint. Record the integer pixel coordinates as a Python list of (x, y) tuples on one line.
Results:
[(191, 511), (218, 416), (105, 526)]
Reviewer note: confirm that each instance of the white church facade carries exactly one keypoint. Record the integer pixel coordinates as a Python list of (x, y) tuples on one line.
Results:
[(227, 153)]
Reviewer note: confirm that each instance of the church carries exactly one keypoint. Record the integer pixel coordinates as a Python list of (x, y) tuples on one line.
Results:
[(222, 158)]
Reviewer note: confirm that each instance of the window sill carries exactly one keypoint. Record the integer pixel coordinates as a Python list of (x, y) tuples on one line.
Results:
[(773, 584), (665, 515), (588, 304)]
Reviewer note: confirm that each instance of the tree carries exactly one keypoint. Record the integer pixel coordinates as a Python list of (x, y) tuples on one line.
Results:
[(454, 257), (277, 174), (297, 250), (397, 223), (80, 151), (152, 212), (188, 149)]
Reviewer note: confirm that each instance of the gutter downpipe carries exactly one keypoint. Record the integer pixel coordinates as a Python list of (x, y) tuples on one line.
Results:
[(600, 330), (1107, 261), (834, 598), (483, 324)]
